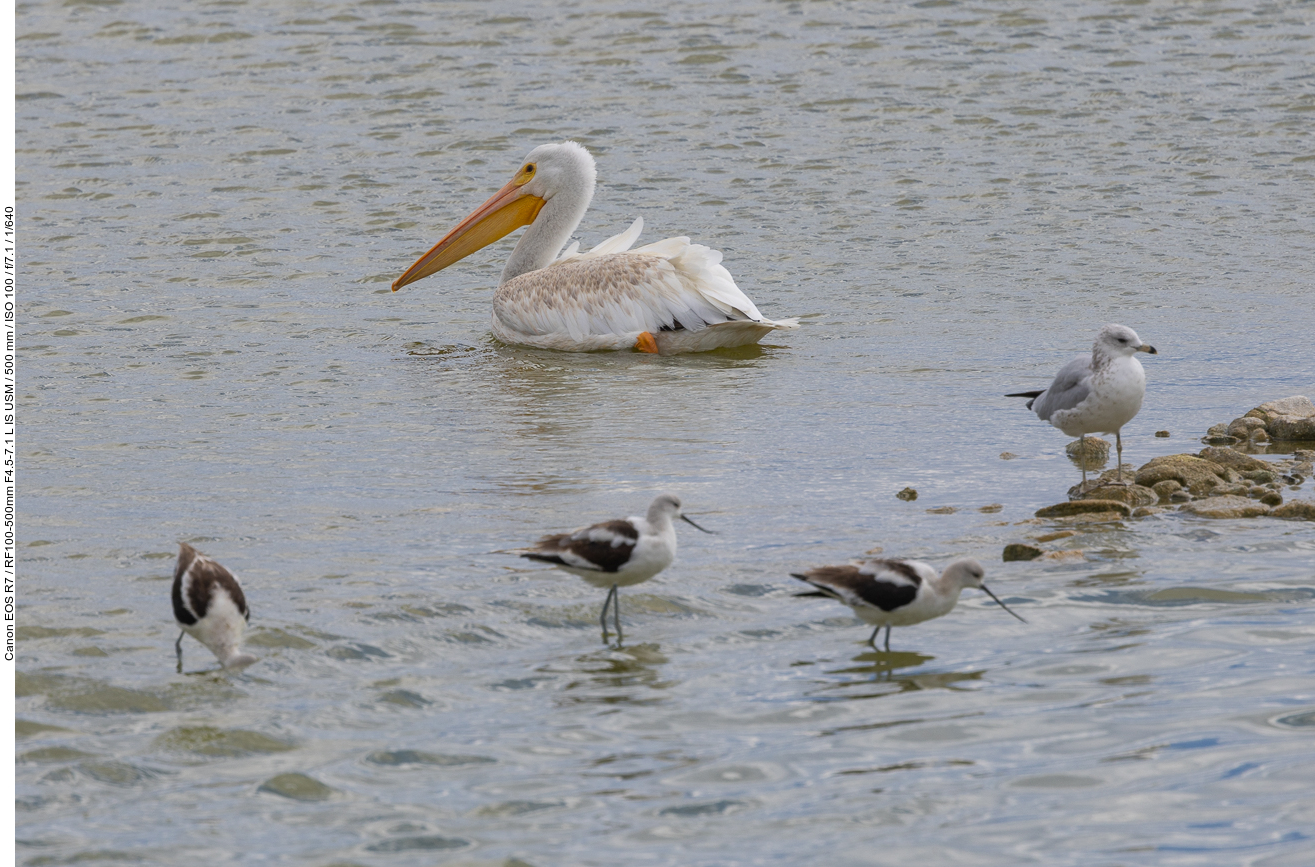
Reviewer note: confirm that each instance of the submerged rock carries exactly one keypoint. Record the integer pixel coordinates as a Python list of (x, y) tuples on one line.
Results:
[(1226, 507), (908, 495)]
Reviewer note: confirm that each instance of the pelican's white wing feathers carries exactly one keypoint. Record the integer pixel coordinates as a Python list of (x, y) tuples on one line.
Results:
[(605, 298)]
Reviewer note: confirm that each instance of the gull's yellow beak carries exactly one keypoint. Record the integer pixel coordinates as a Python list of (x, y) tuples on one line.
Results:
[(509, 209)]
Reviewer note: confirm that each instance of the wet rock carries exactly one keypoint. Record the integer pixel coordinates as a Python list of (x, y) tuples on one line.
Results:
[(1097, 452), (1064, 556), (1007, 456), (1019, 551), (991, 508), (1292, 418), (1243, 428), (1226, 507), (942, 510), (1262, 477), (1061, 534), (1132, 495), (1147, 511), (1198, 475), (1272, 498), (908, 495), (1306, 455), (1162, 434), (1232, 459), (1297, 510), (1081, 507), (297, 787), (1167, 488), (1218, 435)]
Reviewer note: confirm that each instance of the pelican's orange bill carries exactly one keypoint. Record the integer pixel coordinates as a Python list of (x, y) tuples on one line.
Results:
[(509, 209)]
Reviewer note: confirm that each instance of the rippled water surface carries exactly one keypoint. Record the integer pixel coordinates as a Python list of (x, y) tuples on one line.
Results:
[(953, 197)]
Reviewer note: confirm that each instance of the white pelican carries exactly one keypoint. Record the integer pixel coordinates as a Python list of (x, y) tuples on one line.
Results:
[(1099, 393), (668, 297), (897, 592), (210, 607), (616, 553)]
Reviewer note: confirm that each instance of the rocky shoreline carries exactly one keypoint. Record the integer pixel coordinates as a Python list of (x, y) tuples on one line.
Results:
[(1220, 481)]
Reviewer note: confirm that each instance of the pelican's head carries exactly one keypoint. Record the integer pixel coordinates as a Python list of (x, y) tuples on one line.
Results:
[(1120, 340), (562, 171)]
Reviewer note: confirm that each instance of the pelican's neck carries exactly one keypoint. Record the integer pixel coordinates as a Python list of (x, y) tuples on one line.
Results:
[(550, 231)]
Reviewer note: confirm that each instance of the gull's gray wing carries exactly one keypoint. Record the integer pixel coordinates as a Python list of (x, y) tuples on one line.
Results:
[(1071, 386)]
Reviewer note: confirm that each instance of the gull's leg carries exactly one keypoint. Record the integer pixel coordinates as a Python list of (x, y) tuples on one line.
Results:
[(602, 618), (872, 639), (1082, 445), (888, 639), (178, 649), (1118, 441)]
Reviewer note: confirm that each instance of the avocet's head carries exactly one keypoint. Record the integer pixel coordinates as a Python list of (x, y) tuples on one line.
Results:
[(969, 573), (667, 507), (966, 572), (1121, 340), (546, 172)]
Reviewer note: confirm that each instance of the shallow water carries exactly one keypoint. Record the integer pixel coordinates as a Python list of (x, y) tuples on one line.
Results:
[(953, 197)]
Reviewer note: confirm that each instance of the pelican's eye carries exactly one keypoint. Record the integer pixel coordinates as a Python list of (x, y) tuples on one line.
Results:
[(529, 168)]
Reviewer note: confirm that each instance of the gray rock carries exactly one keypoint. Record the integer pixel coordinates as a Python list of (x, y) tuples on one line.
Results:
[(1097, 452), (1131, 495), (1198, 475), (1080, 507), (1226, 507), (1019, 551), (1297, 510), (1244, 427), (1232, 459), (1166, 488), (1292, 418)]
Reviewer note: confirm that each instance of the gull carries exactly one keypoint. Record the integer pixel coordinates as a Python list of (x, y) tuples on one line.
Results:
[(616, 553), (1097, 394), (896, 592), (210, 607)]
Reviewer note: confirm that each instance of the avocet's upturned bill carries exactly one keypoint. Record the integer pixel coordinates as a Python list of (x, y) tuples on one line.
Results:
[(669, 297), (896, 592)]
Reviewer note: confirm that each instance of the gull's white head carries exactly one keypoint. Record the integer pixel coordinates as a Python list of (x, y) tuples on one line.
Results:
[(1120, 340)]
